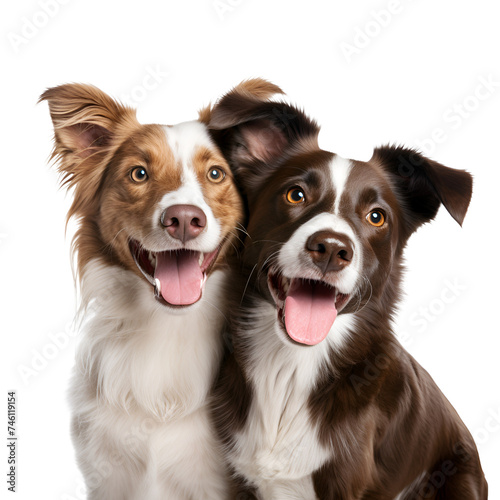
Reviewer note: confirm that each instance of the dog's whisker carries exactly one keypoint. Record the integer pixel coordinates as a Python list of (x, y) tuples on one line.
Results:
[(215, 307), (264, 264), (267, 241), (115, 237), (359, 294), (241, 228), (247, 283)]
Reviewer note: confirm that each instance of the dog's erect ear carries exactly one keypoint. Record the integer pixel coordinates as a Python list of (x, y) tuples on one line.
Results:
[(423, 185), (254, 132), (88, 125)]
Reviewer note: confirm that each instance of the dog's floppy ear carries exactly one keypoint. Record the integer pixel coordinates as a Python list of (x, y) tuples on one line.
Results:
[(254, 132), (257, 89), (423, 185), (88, 125)]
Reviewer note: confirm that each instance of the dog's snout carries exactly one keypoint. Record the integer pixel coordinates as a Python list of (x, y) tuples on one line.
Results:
[(183, 222), (330, 251)]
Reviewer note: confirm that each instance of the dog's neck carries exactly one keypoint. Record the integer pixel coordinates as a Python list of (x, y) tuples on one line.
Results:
[(268, 357), (128, 335)]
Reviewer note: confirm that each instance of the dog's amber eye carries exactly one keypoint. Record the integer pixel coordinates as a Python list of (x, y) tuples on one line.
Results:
[(296, 195), (376, 218), (139, 174), (216, 174)]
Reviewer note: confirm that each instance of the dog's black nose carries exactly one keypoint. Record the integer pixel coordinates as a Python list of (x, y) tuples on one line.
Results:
[(330, 251), (183, 222)]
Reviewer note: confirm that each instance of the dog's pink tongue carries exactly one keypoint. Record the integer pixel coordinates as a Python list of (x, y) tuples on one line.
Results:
[(309, 311), (180, 276)]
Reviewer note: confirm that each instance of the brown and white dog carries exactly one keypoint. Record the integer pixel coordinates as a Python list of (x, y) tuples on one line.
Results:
[(157, 210), (318, 400)]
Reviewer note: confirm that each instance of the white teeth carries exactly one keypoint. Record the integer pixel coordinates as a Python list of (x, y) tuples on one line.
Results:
[(285, 284), (157, 287), (152, 259), (202, 256)]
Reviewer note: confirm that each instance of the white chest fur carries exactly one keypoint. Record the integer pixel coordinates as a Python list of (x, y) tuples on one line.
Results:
[(140, 389), (143, 354), (278, 450)]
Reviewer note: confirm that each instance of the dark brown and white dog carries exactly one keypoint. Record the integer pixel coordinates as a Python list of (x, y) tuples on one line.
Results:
[(318, 400), (157, 210)]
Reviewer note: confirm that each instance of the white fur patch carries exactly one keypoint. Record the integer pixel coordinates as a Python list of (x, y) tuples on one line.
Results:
[(140, 390), (295, 262), (278, 450), (340, 168), (184, 140), (189, 193)]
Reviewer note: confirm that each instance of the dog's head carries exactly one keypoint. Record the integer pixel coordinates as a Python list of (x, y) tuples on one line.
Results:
[(159, 201), (326, 233)]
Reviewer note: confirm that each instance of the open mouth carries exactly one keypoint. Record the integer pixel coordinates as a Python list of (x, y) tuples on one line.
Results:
[(307, 308), (178, 276)]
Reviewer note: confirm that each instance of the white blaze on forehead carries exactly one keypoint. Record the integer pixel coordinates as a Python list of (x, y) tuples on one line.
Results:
[(340, 169), (184, 140)]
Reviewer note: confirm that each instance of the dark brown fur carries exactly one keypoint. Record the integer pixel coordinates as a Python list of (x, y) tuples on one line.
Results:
[(381, 414)]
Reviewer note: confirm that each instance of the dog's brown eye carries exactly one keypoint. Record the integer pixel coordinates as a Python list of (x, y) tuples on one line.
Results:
[(376, 218), (295, 195), (216, 174), (138, 174)]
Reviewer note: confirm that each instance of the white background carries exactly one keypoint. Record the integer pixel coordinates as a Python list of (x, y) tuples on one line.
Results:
[(410, 75)]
